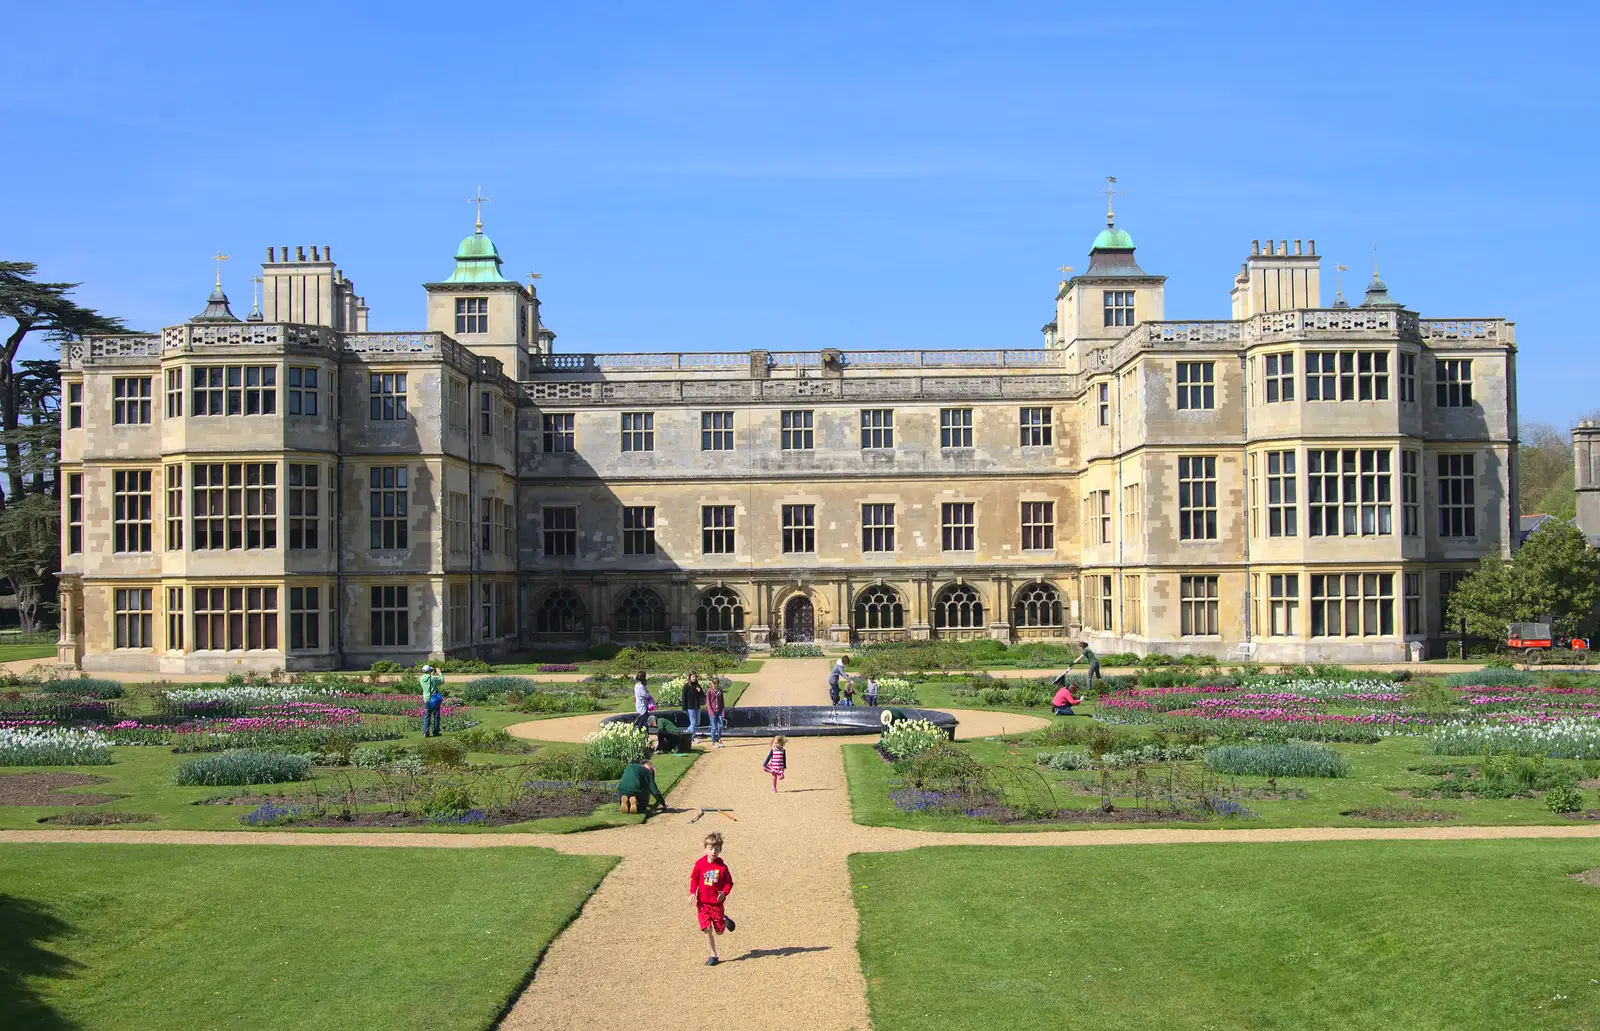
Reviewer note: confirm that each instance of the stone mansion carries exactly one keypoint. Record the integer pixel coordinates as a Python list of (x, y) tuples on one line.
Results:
[(291, 490)]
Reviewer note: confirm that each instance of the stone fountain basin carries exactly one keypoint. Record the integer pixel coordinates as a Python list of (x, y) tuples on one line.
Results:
[(804, 720)]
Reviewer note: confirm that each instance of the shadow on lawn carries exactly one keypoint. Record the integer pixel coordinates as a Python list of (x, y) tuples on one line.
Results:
[(24, 926), (787, 950)]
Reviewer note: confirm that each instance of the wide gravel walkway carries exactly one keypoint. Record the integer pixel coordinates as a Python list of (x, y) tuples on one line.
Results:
[(634, 958)]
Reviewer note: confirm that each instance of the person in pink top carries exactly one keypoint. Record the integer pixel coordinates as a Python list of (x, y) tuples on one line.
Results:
[(777, 761), (1064, 701)]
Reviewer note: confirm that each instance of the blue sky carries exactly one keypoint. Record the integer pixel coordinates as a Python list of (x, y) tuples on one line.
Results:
[(795, 176)]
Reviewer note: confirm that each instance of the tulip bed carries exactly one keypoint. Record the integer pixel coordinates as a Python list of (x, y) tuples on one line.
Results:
[(1220, 748)]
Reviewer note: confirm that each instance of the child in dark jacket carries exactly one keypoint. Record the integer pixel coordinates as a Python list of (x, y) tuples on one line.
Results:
[(709, 885), (776, 762)]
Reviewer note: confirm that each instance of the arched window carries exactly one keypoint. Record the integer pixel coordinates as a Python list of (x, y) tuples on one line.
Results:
[(958, 606), (641, 612), (1038, 604), (879, 608), (561, 612), (719, 612)]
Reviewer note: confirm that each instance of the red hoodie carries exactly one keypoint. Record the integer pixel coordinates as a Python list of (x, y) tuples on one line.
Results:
[(711, 881)]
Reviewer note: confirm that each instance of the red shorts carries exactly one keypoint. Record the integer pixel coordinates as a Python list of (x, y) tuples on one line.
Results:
[(711, 917)]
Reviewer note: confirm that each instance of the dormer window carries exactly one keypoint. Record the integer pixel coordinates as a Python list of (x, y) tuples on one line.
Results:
[(1119, 307), (472, 314)]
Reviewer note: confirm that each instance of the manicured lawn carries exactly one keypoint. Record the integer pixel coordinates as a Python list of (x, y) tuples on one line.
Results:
[(18, 652), (1414, 935), (1375, 771), (173, 937)]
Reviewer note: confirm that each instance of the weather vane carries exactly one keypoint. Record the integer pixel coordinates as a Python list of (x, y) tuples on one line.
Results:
[(1110, 192), (1066, 272), (219, 257), (479, 200)]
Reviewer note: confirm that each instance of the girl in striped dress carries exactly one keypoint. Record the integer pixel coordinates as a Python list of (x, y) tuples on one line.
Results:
[(776, 762)]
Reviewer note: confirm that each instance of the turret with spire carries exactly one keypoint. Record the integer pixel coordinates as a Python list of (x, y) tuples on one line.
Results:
[(1377, 290), (1102, 304), (217, 309)]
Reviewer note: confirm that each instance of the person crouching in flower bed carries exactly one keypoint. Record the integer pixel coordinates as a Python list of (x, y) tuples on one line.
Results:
[(670, 737), (1064, 701), (637, 786)]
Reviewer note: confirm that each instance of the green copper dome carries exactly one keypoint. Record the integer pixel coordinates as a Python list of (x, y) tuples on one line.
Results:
[(1111, 239), (477, 261)]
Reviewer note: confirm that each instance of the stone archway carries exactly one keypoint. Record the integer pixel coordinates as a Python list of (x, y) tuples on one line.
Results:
[(799, 620)]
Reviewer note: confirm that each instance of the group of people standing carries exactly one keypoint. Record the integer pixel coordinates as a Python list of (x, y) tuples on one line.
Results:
[(695, 695), (842, 686)]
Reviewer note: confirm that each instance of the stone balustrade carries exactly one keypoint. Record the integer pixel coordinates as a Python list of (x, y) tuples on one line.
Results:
[(739, 361)]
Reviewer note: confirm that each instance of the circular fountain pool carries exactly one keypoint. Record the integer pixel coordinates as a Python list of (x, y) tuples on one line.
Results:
[(804, 720)]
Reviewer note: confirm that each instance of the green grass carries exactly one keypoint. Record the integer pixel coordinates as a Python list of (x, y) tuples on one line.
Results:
[(1375, 771), (143, 775), (173, 937), (18, 652), (1413, 935)]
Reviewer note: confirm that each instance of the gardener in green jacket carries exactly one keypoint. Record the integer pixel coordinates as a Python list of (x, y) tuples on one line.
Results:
[(1094, 668), (432, 700), (637, 785)]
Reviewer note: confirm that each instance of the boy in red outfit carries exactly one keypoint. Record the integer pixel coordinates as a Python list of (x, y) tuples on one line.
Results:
[(709, 884)]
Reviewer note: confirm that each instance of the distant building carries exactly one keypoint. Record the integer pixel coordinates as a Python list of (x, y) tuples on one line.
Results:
[(293, 490)]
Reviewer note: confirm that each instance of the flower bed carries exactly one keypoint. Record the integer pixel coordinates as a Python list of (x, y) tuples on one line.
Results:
[(1561, 739), (53, 746)]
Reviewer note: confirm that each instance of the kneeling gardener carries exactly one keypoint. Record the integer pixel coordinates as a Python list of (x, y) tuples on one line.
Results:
[(636, 787)]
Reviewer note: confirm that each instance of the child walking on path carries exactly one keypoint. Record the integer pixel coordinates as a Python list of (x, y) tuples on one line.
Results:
[(776, 762), (709, 885)]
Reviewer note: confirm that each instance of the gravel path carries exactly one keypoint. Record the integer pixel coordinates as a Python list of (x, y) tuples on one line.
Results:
[(634, 958)]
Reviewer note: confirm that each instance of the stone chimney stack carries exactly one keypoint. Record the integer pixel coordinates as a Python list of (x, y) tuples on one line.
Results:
[(1281, 276)]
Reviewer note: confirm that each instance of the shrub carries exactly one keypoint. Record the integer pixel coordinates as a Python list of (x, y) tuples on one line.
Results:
[(1064, 760), (574, 767), (482, 739), (558, 701), (83, 687), (384, 667), (50, 746), (242, 766), (456, 666), (670, 660), (1563, 798), (1029, 697), (438, 751), (797, 651), (1288, 759), (618, 743), (904, 738), (1152, 753), (1492, 677), (447, 800), (942, 766), (484, 688)]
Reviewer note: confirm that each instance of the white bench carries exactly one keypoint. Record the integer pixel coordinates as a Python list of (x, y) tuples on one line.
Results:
[(716, 640), (1244, 653)]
